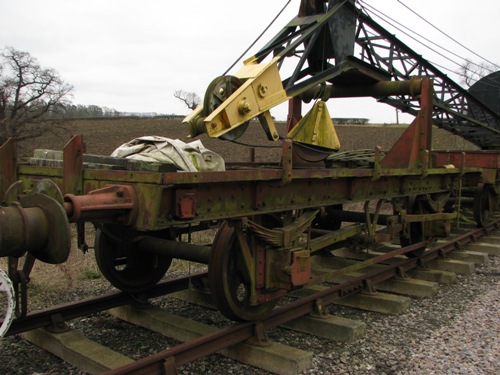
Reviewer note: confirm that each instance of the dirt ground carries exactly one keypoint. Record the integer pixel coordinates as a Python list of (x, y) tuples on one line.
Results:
[(103, 136)]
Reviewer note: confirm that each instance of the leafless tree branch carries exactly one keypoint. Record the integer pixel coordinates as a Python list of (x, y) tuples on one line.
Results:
[(189, 98), (28, 92)]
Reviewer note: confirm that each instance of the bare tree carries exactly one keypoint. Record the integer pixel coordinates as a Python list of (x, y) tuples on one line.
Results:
[(28, 93), (471, 72), (189, 98)]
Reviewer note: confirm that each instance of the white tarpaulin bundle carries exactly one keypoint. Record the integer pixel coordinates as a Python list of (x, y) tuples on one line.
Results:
[(190, 157)]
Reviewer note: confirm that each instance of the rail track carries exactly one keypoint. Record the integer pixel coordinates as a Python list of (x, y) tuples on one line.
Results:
[(350, 279)]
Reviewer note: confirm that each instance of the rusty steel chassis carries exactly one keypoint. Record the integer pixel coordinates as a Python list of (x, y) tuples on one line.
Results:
[(149, 202), (167, 361)]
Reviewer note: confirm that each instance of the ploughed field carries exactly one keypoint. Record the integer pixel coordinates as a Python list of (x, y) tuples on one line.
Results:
[(102, 136)]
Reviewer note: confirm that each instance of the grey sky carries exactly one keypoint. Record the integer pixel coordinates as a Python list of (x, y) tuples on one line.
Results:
[(131, 55)]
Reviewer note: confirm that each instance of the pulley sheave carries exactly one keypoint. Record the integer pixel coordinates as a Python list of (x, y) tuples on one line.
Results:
[(217, 92)]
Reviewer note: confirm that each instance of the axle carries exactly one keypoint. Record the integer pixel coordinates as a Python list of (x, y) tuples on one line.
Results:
[(39, 222), (175, 249)]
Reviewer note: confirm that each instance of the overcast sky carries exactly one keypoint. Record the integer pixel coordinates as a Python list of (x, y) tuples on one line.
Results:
[(132, 55)]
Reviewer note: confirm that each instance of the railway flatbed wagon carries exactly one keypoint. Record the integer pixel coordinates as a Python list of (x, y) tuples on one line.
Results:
[(271, 219)]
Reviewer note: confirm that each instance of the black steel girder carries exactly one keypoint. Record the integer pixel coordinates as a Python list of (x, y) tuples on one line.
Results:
[(327, 41)]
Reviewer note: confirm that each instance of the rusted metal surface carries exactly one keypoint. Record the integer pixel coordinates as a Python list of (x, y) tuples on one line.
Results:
[(186, 204), (409, 149), (112, 204), (178, 198), (8, 166), (174, 249), (21, 229), (73, 165), (469, 158), (37, 224), (323, 189)]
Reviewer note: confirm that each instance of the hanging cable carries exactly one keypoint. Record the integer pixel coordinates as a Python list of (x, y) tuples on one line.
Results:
[(258, 38), (448, 36), (385, 18), (251, 144), (424, 38)]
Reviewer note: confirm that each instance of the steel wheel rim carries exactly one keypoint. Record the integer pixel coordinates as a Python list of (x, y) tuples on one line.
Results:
[(124, 267), (229, 286), (10, 302)]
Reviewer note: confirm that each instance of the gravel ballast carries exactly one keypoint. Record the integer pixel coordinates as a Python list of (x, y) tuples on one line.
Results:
[(455, 332)]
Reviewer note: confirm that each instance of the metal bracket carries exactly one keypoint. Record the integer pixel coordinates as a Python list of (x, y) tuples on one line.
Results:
[(319, 310), (57, 324), (369, 287), (169, 366), (421, 264), (442, 254), (287, 162), (401, 274), (20, 279), (371, 224), (260, 337), (141, 301), (73, 165), (80, 234), (8, 166), (300, 268), (186, 203)]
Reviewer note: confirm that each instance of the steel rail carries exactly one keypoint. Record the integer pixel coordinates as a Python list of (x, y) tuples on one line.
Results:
[(59, 314), (167, 361)]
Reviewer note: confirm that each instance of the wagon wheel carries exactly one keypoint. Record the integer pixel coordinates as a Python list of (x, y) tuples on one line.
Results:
[(229, 279), (124, 266), (484, 204), (415, 231)]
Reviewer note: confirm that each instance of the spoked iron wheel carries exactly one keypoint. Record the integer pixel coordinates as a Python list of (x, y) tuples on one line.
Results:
[(229, 279), (124, 266)]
